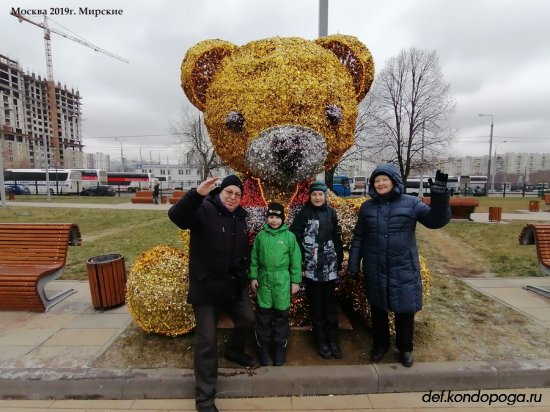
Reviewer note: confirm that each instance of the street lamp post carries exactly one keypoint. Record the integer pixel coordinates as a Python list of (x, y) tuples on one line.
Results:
[(495, 167), (490, 150)]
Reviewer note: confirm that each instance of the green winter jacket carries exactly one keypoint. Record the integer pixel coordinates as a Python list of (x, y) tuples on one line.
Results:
[(275, 262)]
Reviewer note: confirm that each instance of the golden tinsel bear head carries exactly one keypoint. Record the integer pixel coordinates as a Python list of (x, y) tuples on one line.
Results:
[(279, 109)]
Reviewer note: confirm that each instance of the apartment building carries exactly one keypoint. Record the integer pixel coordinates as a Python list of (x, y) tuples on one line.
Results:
[(25, 120), (512, 166), (185, 176), (97, 161)]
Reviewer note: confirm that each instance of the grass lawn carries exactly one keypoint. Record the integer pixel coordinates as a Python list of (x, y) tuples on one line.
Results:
[(508, 204), (494, 247), (104, 231)]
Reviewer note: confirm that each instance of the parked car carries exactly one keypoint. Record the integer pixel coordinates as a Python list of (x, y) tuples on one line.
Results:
[(18, 189), (98, 191)]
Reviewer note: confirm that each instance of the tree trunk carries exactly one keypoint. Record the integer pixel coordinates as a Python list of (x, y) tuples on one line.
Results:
[(329, 177)]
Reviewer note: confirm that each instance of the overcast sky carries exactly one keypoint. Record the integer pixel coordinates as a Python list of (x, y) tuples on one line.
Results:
[(494, 53)]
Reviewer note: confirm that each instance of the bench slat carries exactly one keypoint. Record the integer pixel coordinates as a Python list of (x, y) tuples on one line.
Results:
[(538, 234)]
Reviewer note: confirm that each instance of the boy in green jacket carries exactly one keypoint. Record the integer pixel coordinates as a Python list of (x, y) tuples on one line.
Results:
[(275, 274)]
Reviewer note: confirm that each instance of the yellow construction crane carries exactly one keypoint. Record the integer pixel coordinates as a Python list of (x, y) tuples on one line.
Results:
[(52, 103)]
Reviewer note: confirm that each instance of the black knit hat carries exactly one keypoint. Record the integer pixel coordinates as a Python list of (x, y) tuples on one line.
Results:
[(232, 180), (276, 209)]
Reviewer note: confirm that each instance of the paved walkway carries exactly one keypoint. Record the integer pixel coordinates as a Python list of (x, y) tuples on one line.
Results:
[(520, 215), (533, 400), (119, 206), (50, 356), (512, 292), (476, 217)]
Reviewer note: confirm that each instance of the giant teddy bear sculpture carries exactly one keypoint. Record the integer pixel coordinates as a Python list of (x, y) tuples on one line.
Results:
[(278, 111)]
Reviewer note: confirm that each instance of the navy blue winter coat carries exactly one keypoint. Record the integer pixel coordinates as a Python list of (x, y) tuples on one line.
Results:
[(384, 239)]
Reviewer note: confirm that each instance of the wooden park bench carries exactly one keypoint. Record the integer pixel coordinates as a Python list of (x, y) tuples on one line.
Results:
[(538, 234), (32, 255), (177, 195), (461, 207), (143, 196)]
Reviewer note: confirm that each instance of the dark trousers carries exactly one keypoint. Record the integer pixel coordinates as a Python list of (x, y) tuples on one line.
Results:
[(323, 312), (272, 325), (404, 330), (206, 343)]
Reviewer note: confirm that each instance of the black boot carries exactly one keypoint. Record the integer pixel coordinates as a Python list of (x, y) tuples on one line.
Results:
[(265, 355), (335, 350), (406, 359), (280, 355), (264, 349), (324, 350), (377, 354), (240, 357)]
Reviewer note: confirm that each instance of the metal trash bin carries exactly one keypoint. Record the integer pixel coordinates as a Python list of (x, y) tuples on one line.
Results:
[(107, 278), (495, 214), (534, 205)]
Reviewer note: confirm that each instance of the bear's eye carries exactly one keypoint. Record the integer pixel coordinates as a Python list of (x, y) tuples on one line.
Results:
[(234, 121), (334, 114)]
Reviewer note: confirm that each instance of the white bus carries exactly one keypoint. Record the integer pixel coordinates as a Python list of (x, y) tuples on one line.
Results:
[(61, 181), (476, 185), (130, 181), (412, 186), (92, 178)]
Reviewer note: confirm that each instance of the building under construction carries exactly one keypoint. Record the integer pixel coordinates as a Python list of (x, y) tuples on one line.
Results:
[(26, 124)]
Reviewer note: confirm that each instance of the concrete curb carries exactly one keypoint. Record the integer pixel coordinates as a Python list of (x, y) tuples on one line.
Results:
[(274, 381)]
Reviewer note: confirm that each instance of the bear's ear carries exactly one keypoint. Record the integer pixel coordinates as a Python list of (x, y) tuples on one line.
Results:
[(355, 57), (200, 65)]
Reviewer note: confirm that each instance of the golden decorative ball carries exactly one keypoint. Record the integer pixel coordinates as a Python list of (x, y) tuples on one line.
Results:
[(156, 292)]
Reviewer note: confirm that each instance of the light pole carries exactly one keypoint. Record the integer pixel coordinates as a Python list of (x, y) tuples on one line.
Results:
[(490, 150), (421, 188), (495, 171), (323, 18)]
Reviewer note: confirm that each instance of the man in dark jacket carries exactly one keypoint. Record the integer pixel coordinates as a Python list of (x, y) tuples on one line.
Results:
[(218, 264), (384, 239)]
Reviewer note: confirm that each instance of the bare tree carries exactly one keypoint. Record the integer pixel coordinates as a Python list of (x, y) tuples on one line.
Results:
[(404, 119), (359, 151), (194, 138)]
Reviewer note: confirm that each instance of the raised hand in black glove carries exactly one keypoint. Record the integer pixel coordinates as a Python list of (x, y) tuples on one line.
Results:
[(439, 185)]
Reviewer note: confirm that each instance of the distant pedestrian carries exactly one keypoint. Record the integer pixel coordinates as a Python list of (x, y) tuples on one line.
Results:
[(156, 192), (275, 274), (385, 240)]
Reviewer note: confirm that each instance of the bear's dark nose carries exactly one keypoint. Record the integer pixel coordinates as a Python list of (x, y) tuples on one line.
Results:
[(288, 152)]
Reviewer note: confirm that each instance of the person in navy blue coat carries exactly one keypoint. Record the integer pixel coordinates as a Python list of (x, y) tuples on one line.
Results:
[(384, 240)]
